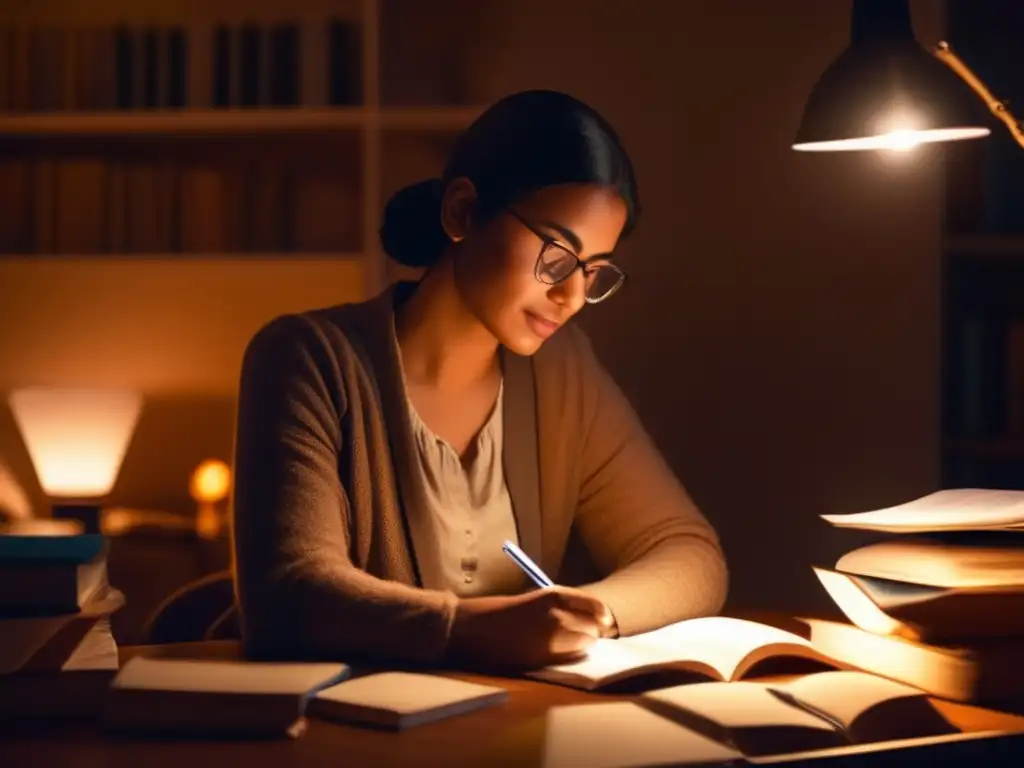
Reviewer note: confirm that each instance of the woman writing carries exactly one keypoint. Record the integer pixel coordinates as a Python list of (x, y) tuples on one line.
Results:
[(386, 449)]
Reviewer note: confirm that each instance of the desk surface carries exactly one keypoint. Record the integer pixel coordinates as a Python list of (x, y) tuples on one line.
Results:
[(469, 740)]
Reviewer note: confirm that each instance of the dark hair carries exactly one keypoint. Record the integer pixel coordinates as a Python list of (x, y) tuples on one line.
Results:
[(524, 142)]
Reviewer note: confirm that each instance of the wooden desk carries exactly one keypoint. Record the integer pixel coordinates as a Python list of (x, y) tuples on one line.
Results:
[(470, 740)]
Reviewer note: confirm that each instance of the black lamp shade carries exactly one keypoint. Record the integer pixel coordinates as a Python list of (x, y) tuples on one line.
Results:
[(885, 85)]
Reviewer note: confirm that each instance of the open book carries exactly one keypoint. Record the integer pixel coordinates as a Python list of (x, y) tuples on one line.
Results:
[(956, 509), (817, 711), (922, 612), (711, 648), (723, 724)]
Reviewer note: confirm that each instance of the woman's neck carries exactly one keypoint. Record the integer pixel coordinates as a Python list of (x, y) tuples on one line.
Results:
[(441, 342)]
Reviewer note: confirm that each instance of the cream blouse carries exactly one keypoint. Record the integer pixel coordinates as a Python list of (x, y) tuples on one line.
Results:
[(472, 510)]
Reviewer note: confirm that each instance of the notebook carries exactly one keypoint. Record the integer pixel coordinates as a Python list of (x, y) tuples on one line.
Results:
[(400, 700), (818, 711), (709, 648), (216, 697)]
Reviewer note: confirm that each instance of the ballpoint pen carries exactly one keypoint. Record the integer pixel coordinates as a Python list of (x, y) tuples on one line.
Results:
[(529, 567)]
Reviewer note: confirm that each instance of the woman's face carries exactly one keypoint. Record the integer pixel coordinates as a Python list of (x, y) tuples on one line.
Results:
[(495, 263)]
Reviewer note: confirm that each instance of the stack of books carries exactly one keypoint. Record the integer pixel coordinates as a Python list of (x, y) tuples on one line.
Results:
[(938, 603), (57, 653)]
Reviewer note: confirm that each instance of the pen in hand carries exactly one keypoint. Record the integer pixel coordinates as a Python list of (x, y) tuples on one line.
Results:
[(542, 580), (529, 567)]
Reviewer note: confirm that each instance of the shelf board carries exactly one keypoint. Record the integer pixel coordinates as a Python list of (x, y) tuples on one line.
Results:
[(988, 246), (234, 120), (182, 256)]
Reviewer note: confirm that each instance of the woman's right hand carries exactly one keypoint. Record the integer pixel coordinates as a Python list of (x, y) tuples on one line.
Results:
[(546, 626)]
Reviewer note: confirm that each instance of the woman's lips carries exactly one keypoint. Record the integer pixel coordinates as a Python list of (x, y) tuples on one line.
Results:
[(540, 325)]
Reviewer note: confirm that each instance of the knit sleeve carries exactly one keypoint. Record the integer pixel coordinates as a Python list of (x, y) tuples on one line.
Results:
[(662, 558), (299, 593)]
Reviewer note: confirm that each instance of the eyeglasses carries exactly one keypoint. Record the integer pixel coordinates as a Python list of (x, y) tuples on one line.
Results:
[(556, 263)]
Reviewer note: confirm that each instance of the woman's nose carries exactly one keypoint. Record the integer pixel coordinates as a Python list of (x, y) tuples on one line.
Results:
[(571, 292)]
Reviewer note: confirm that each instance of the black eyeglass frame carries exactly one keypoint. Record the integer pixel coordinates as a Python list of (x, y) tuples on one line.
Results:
[(549, 242)]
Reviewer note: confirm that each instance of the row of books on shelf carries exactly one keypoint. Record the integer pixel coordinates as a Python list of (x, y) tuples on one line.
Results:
[(87, 68), (146, 205)]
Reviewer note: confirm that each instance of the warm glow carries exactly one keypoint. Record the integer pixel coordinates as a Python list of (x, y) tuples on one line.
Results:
[(43, 527), (857, 606), (76, 438), (896, 140), (210, 481)]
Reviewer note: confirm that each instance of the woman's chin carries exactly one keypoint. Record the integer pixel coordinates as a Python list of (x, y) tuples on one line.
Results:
[(524, 343)]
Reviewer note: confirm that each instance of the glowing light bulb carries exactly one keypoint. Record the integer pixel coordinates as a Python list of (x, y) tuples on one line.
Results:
[(210, 484), (210, 481), (902, 140)]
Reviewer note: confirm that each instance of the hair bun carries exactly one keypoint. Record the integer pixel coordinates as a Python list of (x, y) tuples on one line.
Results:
[(411, 231)]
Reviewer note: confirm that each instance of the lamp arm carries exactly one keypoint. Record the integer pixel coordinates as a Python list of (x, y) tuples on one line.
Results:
[(998, 108)]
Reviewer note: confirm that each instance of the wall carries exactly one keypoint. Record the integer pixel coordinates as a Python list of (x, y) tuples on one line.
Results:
[(780, 332), (174, 330)]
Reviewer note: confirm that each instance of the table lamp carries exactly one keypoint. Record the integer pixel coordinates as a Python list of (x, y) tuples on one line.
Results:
[(209, 485), (76, 439), (887, 92)]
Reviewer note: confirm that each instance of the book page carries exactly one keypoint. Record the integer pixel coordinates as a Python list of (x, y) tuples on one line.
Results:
[(937, 564), (715, 646), (858, 607), (734, 705), (847, 695), (227, 676), (605, 659), (719, 641), (953, 509), (623, 735)]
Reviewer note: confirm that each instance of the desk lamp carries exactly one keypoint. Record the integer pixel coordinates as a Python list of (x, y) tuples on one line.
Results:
[(887, 92), (76, 439)]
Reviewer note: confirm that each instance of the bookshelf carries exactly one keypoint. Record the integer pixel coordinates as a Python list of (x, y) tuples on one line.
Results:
[(220, 130), (983, 269), (234, 121)]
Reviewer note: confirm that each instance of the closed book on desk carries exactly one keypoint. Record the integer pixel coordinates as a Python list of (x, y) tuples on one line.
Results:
[(984, 671), (50, 574), (189, 696), (818, 711), (711, 648), (401, 700)]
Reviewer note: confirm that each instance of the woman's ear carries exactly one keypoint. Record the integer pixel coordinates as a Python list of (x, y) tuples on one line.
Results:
[(457, 208)]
